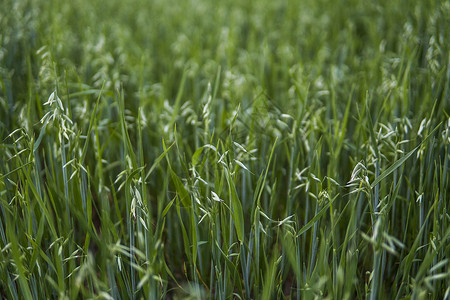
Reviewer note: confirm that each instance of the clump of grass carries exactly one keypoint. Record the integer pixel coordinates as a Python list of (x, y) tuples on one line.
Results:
[(286, 150)]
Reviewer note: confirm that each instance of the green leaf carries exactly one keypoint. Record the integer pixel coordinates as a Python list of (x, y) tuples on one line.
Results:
[(91, 122), (166, 209), (399, 162), (199, 151), (236, 208), (316, 217), (155, 164), (41, 135), (181, 190)]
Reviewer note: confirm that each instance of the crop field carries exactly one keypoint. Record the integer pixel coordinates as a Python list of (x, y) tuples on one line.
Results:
[(198, 149)]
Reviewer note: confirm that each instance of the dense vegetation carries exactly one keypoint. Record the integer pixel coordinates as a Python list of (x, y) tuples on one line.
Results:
[(224, 149)]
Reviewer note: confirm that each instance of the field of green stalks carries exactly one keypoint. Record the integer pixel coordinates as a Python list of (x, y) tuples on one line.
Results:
[(198, 149)]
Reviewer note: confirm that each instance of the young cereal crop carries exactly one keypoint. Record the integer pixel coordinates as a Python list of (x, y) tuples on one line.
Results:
[(194, 149)]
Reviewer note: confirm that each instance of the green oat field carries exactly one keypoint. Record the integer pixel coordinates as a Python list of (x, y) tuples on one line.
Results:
[(199, 149)]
